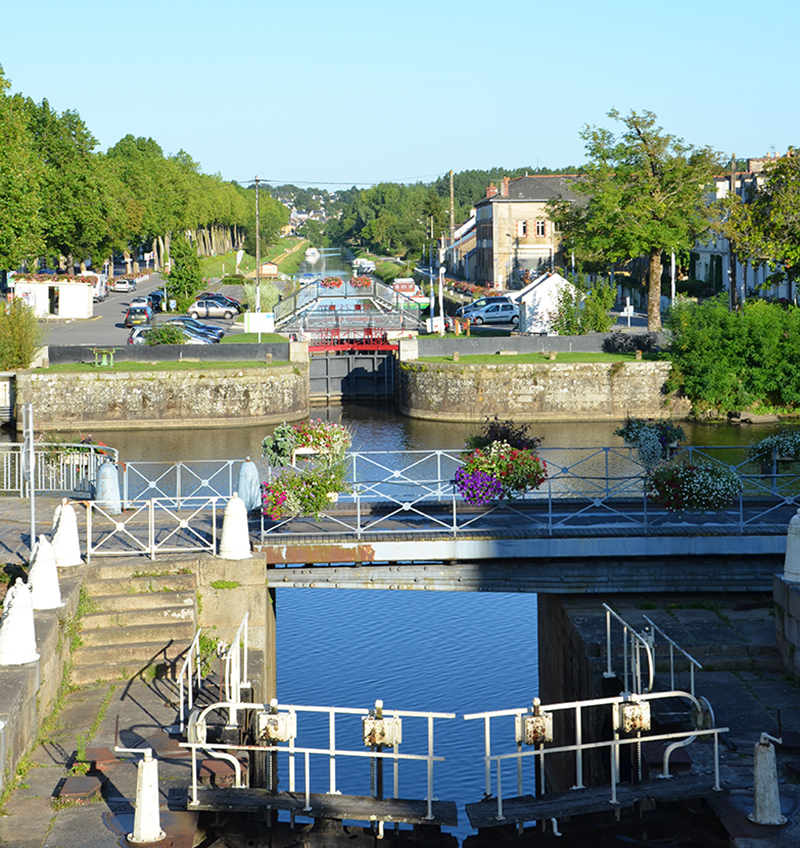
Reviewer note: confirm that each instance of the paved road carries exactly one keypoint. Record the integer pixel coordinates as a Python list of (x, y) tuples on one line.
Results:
[(106, 328)]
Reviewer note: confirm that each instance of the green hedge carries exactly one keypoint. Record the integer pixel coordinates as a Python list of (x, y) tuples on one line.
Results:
[(725, 361)]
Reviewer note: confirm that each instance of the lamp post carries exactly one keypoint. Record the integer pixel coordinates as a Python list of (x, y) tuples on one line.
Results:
[(442, 270), (258, 256)]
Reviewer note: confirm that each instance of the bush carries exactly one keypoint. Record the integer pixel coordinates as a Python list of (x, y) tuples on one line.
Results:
[(693, 486), (20, 335), (165, 334)]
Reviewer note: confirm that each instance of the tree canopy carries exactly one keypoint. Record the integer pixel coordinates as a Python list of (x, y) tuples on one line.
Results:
[(766, 228), (646, 195)]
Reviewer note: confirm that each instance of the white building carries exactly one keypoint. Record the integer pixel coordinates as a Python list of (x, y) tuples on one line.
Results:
[(538, 302), (56, 298)]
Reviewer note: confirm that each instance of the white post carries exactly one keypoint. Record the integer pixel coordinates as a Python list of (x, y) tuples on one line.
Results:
[(672, 275), (147, 818), (441, 298), (29, 464)]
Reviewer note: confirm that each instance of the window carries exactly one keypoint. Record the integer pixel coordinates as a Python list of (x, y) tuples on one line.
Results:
[(541, 229), (522, 229)]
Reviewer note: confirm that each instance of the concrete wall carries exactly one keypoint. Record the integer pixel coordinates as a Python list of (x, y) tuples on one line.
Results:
[(28, 692), (146, 399), (786, 595), (592, 343), (540, 392), (173, 353)]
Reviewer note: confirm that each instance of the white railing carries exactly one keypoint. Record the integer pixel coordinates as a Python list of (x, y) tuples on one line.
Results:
[(542, 735), (58, 467), (191, 668), (151, 528), (236, 667), (292, 750)]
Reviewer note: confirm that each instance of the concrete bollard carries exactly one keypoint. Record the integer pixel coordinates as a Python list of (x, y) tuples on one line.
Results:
[(107, 496), (147, 818), (766, 798), (791, 563), (43, 577), (249, 486), (66, 543), (235, 541), (17, 631)]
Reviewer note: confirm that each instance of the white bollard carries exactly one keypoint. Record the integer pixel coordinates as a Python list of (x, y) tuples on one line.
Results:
[(791, 564), (17, 631), (766, 798), (235, 541), (43, 577), (249, 485), (66, 543), (147, 819)]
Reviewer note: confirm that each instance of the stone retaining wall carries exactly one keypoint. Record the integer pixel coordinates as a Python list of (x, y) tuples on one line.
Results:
[(144, 399), (537, 392)]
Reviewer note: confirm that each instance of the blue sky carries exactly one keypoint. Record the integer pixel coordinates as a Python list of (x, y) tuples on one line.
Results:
[(356, 92)]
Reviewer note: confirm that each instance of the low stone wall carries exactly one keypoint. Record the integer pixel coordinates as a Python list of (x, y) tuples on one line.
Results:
[(537, 392), (786, 595), (149, 399)]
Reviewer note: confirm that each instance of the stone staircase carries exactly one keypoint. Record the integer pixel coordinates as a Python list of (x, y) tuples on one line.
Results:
[(141, 619)]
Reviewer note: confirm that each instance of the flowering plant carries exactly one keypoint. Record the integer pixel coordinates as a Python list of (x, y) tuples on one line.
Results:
[(360, 282), (652, 438), (499, 471), (331, 441), (302, 492), (784, 443), (692, 485), (331, 282)]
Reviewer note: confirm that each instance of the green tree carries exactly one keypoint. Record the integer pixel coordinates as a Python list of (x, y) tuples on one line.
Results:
[(184, 278), (766, 228), (165, 334), (20, 335), (20, 176), (647, 194)]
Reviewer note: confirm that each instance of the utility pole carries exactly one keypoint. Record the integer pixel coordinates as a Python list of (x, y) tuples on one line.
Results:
[(258, 256), (732, 283), (452, 211)]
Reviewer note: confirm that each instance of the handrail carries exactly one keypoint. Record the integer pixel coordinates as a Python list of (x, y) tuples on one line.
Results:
[(693, 663), (236, 663), (187, 672), (637, 640)]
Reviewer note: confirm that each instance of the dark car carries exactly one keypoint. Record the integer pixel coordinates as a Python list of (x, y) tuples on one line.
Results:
[(197, 326), (138, 315), (221, 298), (157, 300)]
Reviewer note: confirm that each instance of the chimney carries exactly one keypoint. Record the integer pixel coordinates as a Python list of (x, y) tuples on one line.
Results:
[(504, 192), (492, 190)]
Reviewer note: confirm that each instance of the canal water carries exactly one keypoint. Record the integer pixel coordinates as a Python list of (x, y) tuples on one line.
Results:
[(445, 652)]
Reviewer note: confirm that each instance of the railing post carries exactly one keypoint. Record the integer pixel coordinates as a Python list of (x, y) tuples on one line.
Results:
[(151, 526)]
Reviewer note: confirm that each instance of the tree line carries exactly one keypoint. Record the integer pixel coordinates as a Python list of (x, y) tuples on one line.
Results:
[(64, 202)]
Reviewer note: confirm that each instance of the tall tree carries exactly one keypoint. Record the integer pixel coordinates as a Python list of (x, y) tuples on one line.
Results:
[(20, 176), (647, 195), (766, 228)]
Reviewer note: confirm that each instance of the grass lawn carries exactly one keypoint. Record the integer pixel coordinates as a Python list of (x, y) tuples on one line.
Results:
[(120, 367), (252, 338), (534, 358), (219, 266)]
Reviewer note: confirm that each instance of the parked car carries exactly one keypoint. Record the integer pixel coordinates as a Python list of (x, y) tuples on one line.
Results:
[(495, 313), (209, 308), (157, 300), (138, 335), (140, 300), (138, 315), (480, 303), (194, 324), (221, 298), (123, 285)]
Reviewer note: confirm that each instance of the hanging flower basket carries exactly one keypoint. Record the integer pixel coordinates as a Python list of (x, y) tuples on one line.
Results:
[(360, 282), (783, 445), (652, 439), (692, 486), (499, 471), (331, 282)]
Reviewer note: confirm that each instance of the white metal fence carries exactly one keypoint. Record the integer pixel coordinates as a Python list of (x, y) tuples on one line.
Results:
[(59, 467)]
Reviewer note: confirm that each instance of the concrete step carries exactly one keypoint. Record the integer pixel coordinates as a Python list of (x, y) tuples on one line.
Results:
[(123, 567), (127, 601), (103, 587), (125, 662), (121, 618), (119, 636)]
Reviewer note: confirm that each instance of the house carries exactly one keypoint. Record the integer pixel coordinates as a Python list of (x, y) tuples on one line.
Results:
[(710, 261), (538, 302), (513, 230), (268, 269), (56, 297), (460, 253)]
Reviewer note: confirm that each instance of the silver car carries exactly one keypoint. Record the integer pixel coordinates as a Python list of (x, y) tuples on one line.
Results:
[(495, 313), (210, 309)]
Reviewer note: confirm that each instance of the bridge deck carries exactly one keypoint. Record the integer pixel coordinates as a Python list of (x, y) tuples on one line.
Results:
[(341, 807), (527, 808)]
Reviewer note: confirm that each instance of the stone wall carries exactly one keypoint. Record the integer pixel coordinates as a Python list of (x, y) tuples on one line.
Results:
[(786, 595), (143, 399), (537, 392)]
